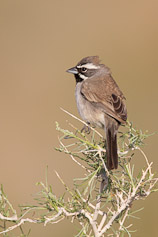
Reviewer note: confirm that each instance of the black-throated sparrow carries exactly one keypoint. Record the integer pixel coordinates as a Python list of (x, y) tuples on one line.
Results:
[(100, 102)]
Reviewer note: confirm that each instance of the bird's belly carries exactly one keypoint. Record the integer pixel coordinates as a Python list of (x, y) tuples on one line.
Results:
[(88, 111)]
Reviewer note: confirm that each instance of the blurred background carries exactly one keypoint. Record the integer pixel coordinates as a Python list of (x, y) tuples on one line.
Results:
[(39, 41)]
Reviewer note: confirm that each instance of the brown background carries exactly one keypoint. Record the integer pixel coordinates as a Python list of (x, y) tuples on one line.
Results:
[(39, 40)]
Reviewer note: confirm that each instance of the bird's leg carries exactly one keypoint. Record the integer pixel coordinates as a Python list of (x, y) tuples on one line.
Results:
[(86, 128)]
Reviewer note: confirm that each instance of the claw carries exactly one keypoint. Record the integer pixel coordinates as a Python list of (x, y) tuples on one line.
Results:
[(86, 129)]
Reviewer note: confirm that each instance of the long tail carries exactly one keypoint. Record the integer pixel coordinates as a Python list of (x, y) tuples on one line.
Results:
[(111, 145)]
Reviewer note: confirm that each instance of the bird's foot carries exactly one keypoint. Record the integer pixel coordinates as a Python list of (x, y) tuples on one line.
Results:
[(86, 129)]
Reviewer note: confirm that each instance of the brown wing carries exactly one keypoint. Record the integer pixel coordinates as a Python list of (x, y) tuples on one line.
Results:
[(105, 93)]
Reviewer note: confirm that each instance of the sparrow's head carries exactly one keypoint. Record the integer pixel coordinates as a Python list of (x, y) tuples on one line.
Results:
[(86, 68)]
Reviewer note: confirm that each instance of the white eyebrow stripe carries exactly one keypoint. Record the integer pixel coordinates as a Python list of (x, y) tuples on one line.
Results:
[(88, 66), (82, 76)]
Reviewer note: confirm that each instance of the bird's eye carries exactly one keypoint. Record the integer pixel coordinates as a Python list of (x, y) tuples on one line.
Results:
[(83, 69)]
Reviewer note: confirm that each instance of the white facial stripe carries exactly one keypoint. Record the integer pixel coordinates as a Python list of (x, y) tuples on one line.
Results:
[(88, 66), (82, 76)]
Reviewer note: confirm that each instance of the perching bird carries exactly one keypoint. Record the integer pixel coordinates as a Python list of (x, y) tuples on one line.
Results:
[(100, 102)]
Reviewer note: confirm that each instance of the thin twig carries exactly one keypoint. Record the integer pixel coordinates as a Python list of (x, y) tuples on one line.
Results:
[(72, 157), (138, 148), (73, 116)]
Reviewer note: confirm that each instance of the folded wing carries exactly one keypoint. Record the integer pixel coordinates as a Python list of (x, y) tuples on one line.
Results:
[(105, 93)]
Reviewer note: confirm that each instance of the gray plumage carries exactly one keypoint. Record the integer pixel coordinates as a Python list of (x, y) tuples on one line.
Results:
[(100, 102)]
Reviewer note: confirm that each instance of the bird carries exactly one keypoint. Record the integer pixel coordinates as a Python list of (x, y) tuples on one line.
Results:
[(100, 102)]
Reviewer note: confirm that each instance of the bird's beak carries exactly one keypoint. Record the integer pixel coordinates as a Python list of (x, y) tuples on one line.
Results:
[(72, 70)]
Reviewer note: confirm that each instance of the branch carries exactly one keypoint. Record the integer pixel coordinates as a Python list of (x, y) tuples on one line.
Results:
[(22, 221), (125, 203)]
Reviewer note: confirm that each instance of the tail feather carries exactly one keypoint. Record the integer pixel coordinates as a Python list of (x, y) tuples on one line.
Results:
[(111, 147)]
